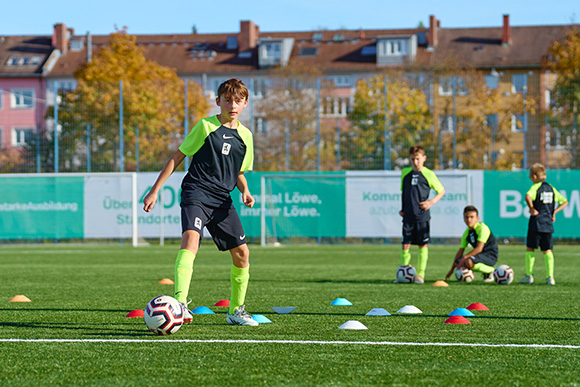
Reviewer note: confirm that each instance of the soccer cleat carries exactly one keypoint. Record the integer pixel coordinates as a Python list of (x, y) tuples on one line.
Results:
[(550, 281), (488, 277), (241, 317), (187, 317), (529, 279), (419, 280)]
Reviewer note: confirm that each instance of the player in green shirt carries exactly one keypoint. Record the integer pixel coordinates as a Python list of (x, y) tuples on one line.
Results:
[(221, 150), (541, 200), (485, 252)]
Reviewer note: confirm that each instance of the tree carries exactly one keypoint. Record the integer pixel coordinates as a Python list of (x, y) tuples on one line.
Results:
[(408, 121), (564, 60), (153, 102)]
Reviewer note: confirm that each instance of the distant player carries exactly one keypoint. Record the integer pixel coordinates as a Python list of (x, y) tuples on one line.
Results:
[(485, 252), (221, 149), (416, 184), (541, 200)]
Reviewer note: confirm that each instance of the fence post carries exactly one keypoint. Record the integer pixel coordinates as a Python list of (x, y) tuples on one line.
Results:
[(386, 132), (121, 134), (88, 147), (318, 124), (287, 145), (185, 119), (136, 148), (55, 127), (454, 89), (525, 94)]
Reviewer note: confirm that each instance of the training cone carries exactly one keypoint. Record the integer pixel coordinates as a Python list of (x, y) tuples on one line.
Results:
[(352, 324), (283, 309), (166, 281), (477, 306), (261, 319), (457, 320), (441, 284), (202, 310), (136, 313), (19, 298), (378, 312), (461, 312), (341, 301), (222, 303), (410, 309)]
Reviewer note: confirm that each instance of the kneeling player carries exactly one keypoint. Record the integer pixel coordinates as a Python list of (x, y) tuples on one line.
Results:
[(484, 253)]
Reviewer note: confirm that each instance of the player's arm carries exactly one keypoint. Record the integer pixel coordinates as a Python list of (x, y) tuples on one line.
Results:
[(242, 185), (562, 203), (436, 185), (173, 162), (431, 202), (457, 256), (530, 203)]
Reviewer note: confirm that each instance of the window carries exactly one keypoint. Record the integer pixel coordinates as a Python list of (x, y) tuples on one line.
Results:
[(22, 136), (12, 61), (492, 81), (308, 51), (271, 50), (335, 107), (445, 86), (338, 37), (317, 37), (393, 47), (519, 82), (341, 80), (492, 121), (518, 123), (22, 98), (368, 50), (260, 125), (232, 43), (446, 123), (1, 138)]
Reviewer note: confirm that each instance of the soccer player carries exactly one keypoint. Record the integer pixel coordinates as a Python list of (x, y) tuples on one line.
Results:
[(485, 251), (416, 184), (221, 149), (541, 200)]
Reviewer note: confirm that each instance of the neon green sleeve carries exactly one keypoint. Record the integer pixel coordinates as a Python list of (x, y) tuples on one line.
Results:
[(246, 135), (533, 191), (483, 232), (405, 172), (463, 243), (195, 139), (434, 182), (558, 197)]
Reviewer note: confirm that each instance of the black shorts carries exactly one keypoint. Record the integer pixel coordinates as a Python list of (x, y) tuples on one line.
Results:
[(416, 233), (487, 258), (542, 239), (223, 224)]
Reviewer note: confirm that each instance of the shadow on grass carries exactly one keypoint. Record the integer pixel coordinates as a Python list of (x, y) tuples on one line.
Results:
[(65, 310)]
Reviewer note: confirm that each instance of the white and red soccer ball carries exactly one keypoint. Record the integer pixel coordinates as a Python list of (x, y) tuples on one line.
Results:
[(163, 315), (464, 274), (406, 274), (503, 275)]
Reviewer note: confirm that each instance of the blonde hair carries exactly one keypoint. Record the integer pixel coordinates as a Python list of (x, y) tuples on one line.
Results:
[(538, 170)]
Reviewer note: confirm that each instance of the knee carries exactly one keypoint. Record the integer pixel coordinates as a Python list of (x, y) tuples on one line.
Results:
[(190, 241), (469, 263), (241, 256)]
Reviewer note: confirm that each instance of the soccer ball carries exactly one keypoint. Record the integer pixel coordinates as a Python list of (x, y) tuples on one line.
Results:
[(406, 274), (163, 315), (503, 274), (464, 274)]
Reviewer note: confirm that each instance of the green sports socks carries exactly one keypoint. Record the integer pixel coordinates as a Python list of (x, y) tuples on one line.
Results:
[(183, 272), (239, 278), (422, 262), (405, 257), (530, 260), (549, 258), (483, 268)]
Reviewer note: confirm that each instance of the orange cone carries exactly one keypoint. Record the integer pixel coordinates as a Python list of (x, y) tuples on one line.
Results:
[(440, 283), (19, 298), (166, 281)]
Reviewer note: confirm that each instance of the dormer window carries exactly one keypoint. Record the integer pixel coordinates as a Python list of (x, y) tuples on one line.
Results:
[(317, 37), (12, 61), (393, 47), (338, 37), (271, 50), (232, 43), (396, 50), (274, 52), (308, 51)]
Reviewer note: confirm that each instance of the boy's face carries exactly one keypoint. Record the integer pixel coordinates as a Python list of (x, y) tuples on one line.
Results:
[(471, 219), (231, 106), (417, 161)]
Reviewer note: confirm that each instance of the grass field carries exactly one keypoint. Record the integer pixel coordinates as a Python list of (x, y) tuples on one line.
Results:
[(82, 294)]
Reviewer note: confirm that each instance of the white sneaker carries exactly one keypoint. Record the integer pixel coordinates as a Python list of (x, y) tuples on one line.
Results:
[(550, 281), (529, 279), (187, 317), (241, 317), (488, 277)]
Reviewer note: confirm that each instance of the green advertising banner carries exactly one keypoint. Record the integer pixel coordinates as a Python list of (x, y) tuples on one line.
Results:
[(295, 206), (38, 207), (506, 211)]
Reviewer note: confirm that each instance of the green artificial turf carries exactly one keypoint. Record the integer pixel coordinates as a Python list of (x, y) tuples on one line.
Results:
[(84, 293)]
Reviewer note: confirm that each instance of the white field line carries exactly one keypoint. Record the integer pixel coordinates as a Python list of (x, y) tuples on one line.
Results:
[(317, 342)]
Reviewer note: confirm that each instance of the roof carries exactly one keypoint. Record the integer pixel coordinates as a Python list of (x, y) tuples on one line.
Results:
[(23, 55)]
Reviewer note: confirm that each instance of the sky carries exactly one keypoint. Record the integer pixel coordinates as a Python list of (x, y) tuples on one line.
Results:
[(37, 17)]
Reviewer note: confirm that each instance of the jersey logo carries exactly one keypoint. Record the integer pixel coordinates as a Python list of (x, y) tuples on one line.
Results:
[(227, 137), (547, 197), (226, 148), (414, 180), (197, 223), (242, 237)]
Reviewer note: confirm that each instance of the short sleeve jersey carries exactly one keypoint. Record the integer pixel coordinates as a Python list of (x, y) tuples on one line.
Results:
[(218, 154), (416, 187), (480, 233), (544, 197)]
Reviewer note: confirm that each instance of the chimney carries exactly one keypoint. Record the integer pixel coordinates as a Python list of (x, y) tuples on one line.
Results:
[(506, 31), (248, 36), (432, 34), (60, 37)]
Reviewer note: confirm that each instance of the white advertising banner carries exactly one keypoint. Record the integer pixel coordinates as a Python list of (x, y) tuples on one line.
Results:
[(373, 202)]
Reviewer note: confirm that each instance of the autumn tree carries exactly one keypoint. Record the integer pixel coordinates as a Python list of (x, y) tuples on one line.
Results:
[(153, 106), (564, 60), (405, 121)]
